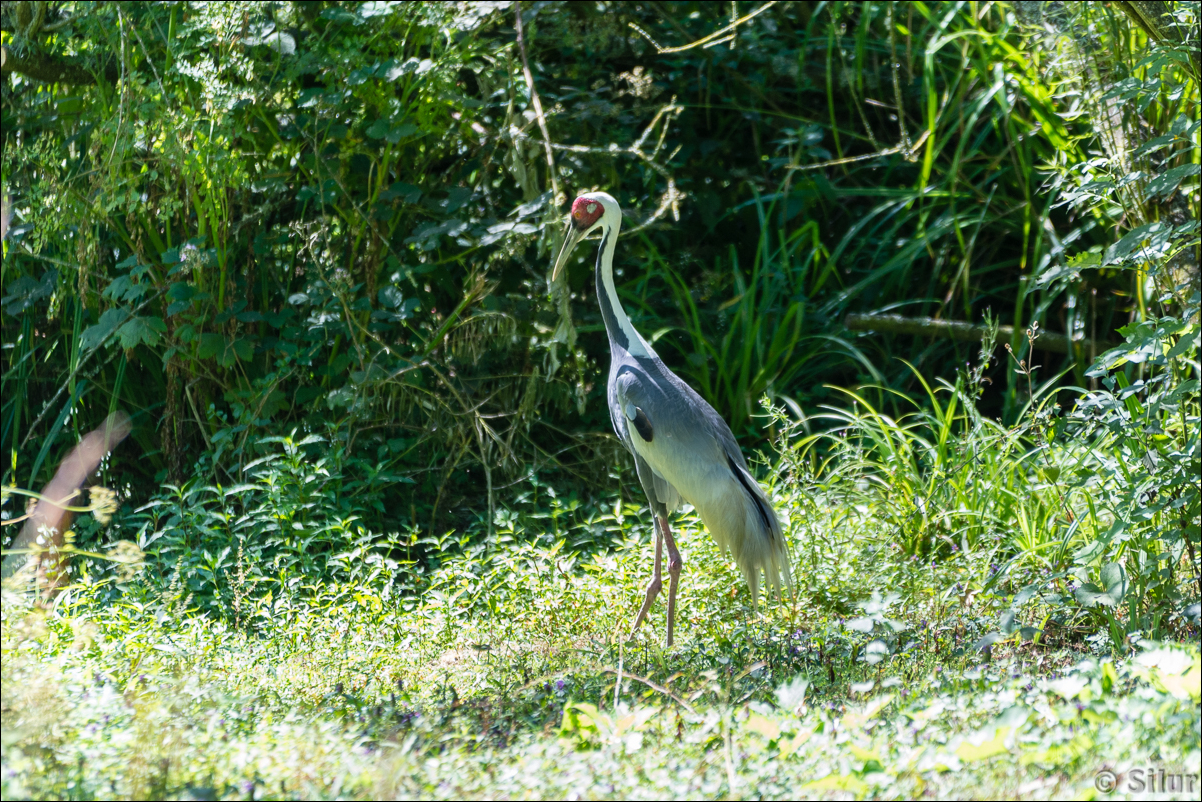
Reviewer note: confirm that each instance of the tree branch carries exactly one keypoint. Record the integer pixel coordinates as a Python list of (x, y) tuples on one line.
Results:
[(52, 69), (959, 330)]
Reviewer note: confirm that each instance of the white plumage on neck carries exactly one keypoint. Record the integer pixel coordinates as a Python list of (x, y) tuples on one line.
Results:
[(611, 225)]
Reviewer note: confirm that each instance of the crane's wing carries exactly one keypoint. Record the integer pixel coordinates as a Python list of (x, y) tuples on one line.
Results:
[(628, 413)]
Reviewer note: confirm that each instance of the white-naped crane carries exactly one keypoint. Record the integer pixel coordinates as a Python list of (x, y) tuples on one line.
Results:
[(682, 448)]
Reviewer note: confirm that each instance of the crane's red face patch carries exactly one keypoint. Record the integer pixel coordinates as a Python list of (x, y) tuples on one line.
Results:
[(586, 212)]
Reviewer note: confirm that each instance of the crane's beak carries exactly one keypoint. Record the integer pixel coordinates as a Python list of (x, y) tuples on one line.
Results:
[(571, 236)]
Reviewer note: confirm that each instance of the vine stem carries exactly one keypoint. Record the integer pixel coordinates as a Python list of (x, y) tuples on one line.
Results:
[(557, 197)]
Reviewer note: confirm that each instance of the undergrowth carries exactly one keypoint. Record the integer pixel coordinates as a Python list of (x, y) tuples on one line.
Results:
[(512, 677), (941, 653)]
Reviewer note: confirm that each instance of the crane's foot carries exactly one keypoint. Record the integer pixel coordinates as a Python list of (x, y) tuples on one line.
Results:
[(653, 587)]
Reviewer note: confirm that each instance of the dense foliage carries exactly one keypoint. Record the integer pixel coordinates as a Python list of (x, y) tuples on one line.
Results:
[(237, 221), (371, 501)]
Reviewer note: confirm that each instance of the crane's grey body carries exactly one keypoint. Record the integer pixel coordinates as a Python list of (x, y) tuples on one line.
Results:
[(693, 456), (682, 448)]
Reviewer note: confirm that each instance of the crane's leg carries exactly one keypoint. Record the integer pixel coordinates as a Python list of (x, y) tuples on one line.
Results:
[(656, 582), (674, 566)]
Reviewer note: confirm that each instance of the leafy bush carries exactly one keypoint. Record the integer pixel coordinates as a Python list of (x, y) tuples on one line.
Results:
[(1142, 491)]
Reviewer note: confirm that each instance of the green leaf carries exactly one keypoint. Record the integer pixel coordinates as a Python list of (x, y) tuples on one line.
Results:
[(224, 350), (992, 743), (1114, 578), (181, 291), (342, 397), (1025, 595), (1110, 677), (791, 695), (390, 296), (1158, 143), (986, 642), (876, 651), (141, 330), (1189, 341), (341, 15), (125, 288), (391, 132), (399, 132), (1157, 234), (210, 345), (1111, 592), (1090, 595), (836, 782), (93, 336), (399, 189), (1086, 259), (24, 292), (280, 42), (378, 129), (1170, 179), (1144, 344)]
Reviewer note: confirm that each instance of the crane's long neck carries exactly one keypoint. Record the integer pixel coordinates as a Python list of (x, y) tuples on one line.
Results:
[(617, 324)]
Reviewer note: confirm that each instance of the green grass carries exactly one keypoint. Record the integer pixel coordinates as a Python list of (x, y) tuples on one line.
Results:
[(965, 624), (371, 696), (907, 664)]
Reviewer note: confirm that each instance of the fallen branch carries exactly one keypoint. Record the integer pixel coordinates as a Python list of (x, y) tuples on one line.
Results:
[(969, 332), (653, 686), (672, 196), (715, 38)]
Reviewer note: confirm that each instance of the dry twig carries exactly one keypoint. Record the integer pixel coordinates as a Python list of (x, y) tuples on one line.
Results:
[(716, 38)]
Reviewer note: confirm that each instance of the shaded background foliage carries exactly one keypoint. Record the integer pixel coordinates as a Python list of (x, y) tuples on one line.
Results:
[(248, 220)]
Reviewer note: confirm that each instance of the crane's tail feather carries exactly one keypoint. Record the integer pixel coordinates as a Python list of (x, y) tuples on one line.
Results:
[(743, 521)]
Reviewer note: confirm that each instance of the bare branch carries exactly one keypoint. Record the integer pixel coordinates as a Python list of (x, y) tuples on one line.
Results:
[(906, 150), (672, 196), (968, 332), (557, 198), (724, 35)]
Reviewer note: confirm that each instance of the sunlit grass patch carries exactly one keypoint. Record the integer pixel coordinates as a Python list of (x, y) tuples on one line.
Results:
[(347, 702)]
